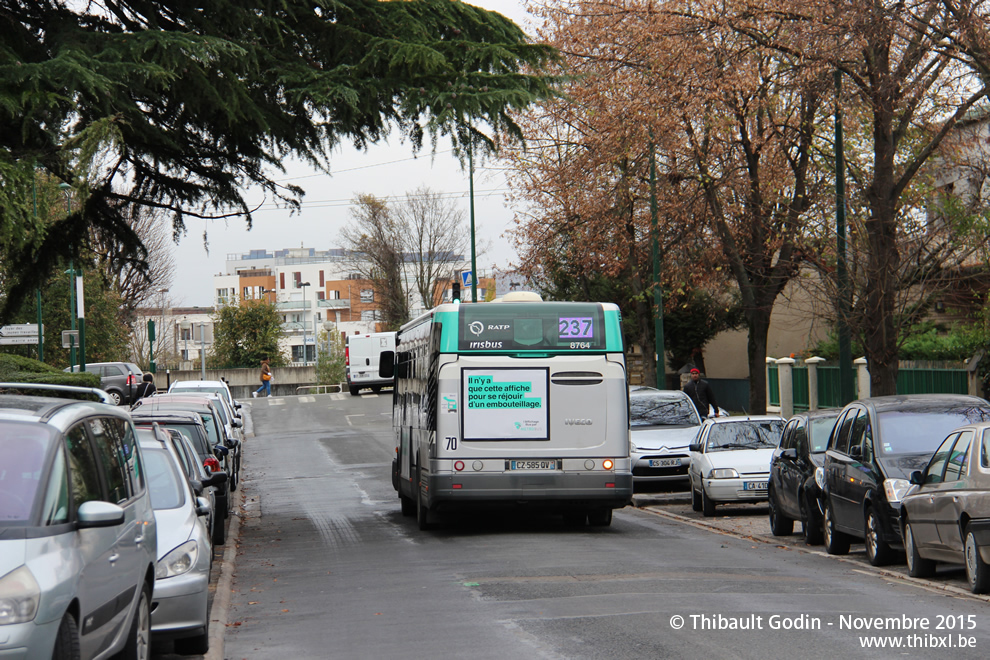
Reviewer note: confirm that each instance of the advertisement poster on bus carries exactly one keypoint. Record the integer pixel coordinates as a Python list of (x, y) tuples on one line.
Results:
[(505, 404)]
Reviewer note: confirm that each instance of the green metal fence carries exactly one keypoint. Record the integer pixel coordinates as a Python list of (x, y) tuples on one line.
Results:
[(910, 380)]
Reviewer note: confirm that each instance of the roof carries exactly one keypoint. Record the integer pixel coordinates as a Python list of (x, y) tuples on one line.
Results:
[(922, 401), (745, 418), (165, 416)]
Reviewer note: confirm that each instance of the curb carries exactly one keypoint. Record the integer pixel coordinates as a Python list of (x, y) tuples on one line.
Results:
[(222, 596), (865, 569)]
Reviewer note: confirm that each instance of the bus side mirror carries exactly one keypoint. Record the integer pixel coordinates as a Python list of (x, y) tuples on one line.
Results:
[(386, 364)]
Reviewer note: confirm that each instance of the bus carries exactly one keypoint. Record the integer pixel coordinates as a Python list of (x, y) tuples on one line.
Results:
[(516, 402)]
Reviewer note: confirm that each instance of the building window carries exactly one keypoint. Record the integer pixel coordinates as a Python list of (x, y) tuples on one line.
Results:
[(320, 295), (371, 315), (281, 280), (297, 279), (297, 353), (367, 295), (321, 278)]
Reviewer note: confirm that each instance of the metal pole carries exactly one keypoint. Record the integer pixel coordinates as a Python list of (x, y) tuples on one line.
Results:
[(846, 391), (304, 324), (82, 321), (657, 292), (41, 332), (73, 313), (202, 351), (474, 255)]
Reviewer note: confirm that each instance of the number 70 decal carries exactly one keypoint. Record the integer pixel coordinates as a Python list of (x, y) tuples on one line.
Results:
[(451, 442)]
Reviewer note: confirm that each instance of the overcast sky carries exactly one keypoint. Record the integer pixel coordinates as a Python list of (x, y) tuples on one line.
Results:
[(386, 170)]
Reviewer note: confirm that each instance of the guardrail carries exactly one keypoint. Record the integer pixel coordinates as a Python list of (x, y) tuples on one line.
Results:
[(326, 389)]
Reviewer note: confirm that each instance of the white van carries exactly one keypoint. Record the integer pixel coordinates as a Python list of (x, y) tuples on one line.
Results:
[(362, 353)]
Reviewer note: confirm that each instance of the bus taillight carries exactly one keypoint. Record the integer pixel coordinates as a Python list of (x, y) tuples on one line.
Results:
[(458, 465), (607, 464)]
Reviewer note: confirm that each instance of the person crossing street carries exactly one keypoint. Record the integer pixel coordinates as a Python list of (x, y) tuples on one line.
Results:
[(701, 394)]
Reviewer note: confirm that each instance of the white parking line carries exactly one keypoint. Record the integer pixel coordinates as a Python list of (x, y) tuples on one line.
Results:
[(276, 402), (307, 399), (348, 418)]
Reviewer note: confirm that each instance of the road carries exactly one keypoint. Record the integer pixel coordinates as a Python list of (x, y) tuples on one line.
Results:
[(327, 567)]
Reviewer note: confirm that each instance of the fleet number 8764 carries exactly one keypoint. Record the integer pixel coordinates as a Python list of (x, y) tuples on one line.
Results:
[(580, 344)]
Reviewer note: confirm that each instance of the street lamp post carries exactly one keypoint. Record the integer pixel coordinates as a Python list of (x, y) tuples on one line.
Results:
[(202, 350), (66, 190), (303, 286), (151, 331)]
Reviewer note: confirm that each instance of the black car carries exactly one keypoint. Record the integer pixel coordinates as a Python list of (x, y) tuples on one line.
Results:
[(874, 447), (793, 492), (118, 379)]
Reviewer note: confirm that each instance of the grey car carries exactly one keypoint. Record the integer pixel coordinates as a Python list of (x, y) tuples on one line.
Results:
[(182, 578), (118, 379), (78, 544), (662, 424)]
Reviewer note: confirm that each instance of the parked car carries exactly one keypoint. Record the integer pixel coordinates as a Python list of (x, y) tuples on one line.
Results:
[(361, 354), (946, 516), (77, 531), (212, 417), (793, 492), (206, 386), (731, 460), (118, 379), (874, 447), (182, 575), (191, 426), (662, 425)]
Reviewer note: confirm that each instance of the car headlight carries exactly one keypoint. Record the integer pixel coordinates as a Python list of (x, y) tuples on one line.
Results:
[(633, 446), (723, 473), (820, 478), (895, 489), (20, 596), (178, 561)]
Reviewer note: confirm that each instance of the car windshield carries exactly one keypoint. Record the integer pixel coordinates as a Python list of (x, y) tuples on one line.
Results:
[(22, 458), (921, 432), (821, 428), (660, 410), (163, 479), (748, 434), (192, 434)]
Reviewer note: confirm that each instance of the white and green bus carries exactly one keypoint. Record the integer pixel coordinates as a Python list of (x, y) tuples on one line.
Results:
[(516, 402)]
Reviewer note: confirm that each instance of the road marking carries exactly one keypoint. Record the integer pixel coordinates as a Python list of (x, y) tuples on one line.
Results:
[(348, 418), (307, 399), (337, 397), (277, 402)]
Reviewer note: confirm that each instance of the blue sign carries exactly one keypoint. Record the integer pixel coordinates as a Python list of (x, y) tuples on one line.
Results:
[(466, 277)]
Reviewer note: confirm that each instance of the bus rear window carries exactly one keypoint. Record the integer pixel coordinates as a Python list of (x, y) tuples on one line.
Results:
[(531, 326)]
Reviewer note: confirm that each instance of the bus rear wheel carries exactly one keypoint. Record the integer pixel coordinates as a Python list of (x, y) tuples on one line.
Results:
[(422, 512), (600, 517), (408, 506), (575, 518)]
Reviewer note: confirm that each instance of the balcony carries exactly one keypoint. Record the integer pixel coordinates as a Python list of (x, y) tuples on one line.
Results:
[(342, 303), (292, 304)]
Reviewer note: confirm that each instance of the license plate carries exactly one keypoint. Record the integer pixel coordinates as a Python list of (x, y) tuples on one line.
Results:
[(533, 465), (754, 485), (665, 462)]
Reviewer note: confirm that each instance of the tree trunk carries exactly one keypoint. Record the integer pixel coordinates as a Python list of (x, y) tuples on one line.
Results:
[(758, 325)]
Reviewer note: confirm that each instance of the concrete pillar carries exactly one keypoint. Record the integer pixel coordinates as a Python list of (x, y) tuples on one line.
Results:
[(862, 377), (785, 376), (813, 363), (770, 361)]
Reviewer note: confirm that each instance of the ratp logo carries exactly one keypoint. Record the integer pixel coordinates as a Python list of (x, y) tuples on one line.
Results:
[(476, 327)]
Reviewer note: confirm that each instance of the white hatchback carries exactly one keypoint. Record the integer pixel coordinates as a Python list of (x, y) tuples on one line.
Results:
[(731, 460)]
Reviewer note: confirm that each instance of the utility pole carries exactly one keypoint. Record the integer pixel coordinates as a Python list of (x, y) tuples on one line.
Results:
[(474, 256), (846, 392), (657, 292)]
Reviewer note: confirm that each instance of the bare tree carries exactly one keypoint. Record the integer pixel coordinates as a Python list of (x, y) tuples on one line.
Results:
[(377, 242), (138, 283), (436, 238)]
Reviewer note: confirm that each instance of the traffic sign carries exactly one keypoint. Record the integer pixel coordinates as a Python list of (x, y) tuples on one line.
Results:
[(70, 338), (466, 277), (21, 330), (21, 341)]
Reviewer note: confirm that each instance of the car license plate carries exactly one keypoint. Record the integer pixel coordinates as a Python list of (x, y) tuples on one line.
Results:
[(754, 485), (665, 462), (534, 465)]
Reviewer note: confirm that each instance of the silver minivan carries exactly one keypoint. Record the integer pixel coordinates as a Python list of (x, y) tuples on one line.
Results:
[(78, 543)]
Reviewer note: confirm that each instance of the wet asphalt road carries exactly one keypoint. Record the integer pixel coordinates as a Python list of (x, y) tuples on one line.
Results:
[(327, 567)]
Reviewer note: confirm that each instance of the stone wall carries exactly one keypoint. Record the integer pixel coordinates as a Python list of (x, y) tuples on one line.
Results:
[(244, 381)]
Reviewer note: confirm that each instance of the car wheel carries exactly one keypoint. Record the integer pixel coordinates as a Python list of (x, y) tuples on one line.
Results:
[(977, 570), (408, 506), (877, 550), (917, 565), (836, 542), (138, 646), (67, 640), (695, 499), (811, 523), (354, 390), (600, 517), (234, 477), (198, 645), (780, 525), (115, 398), (575, 517), (376, 389), (218, 533), (707, 504)]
